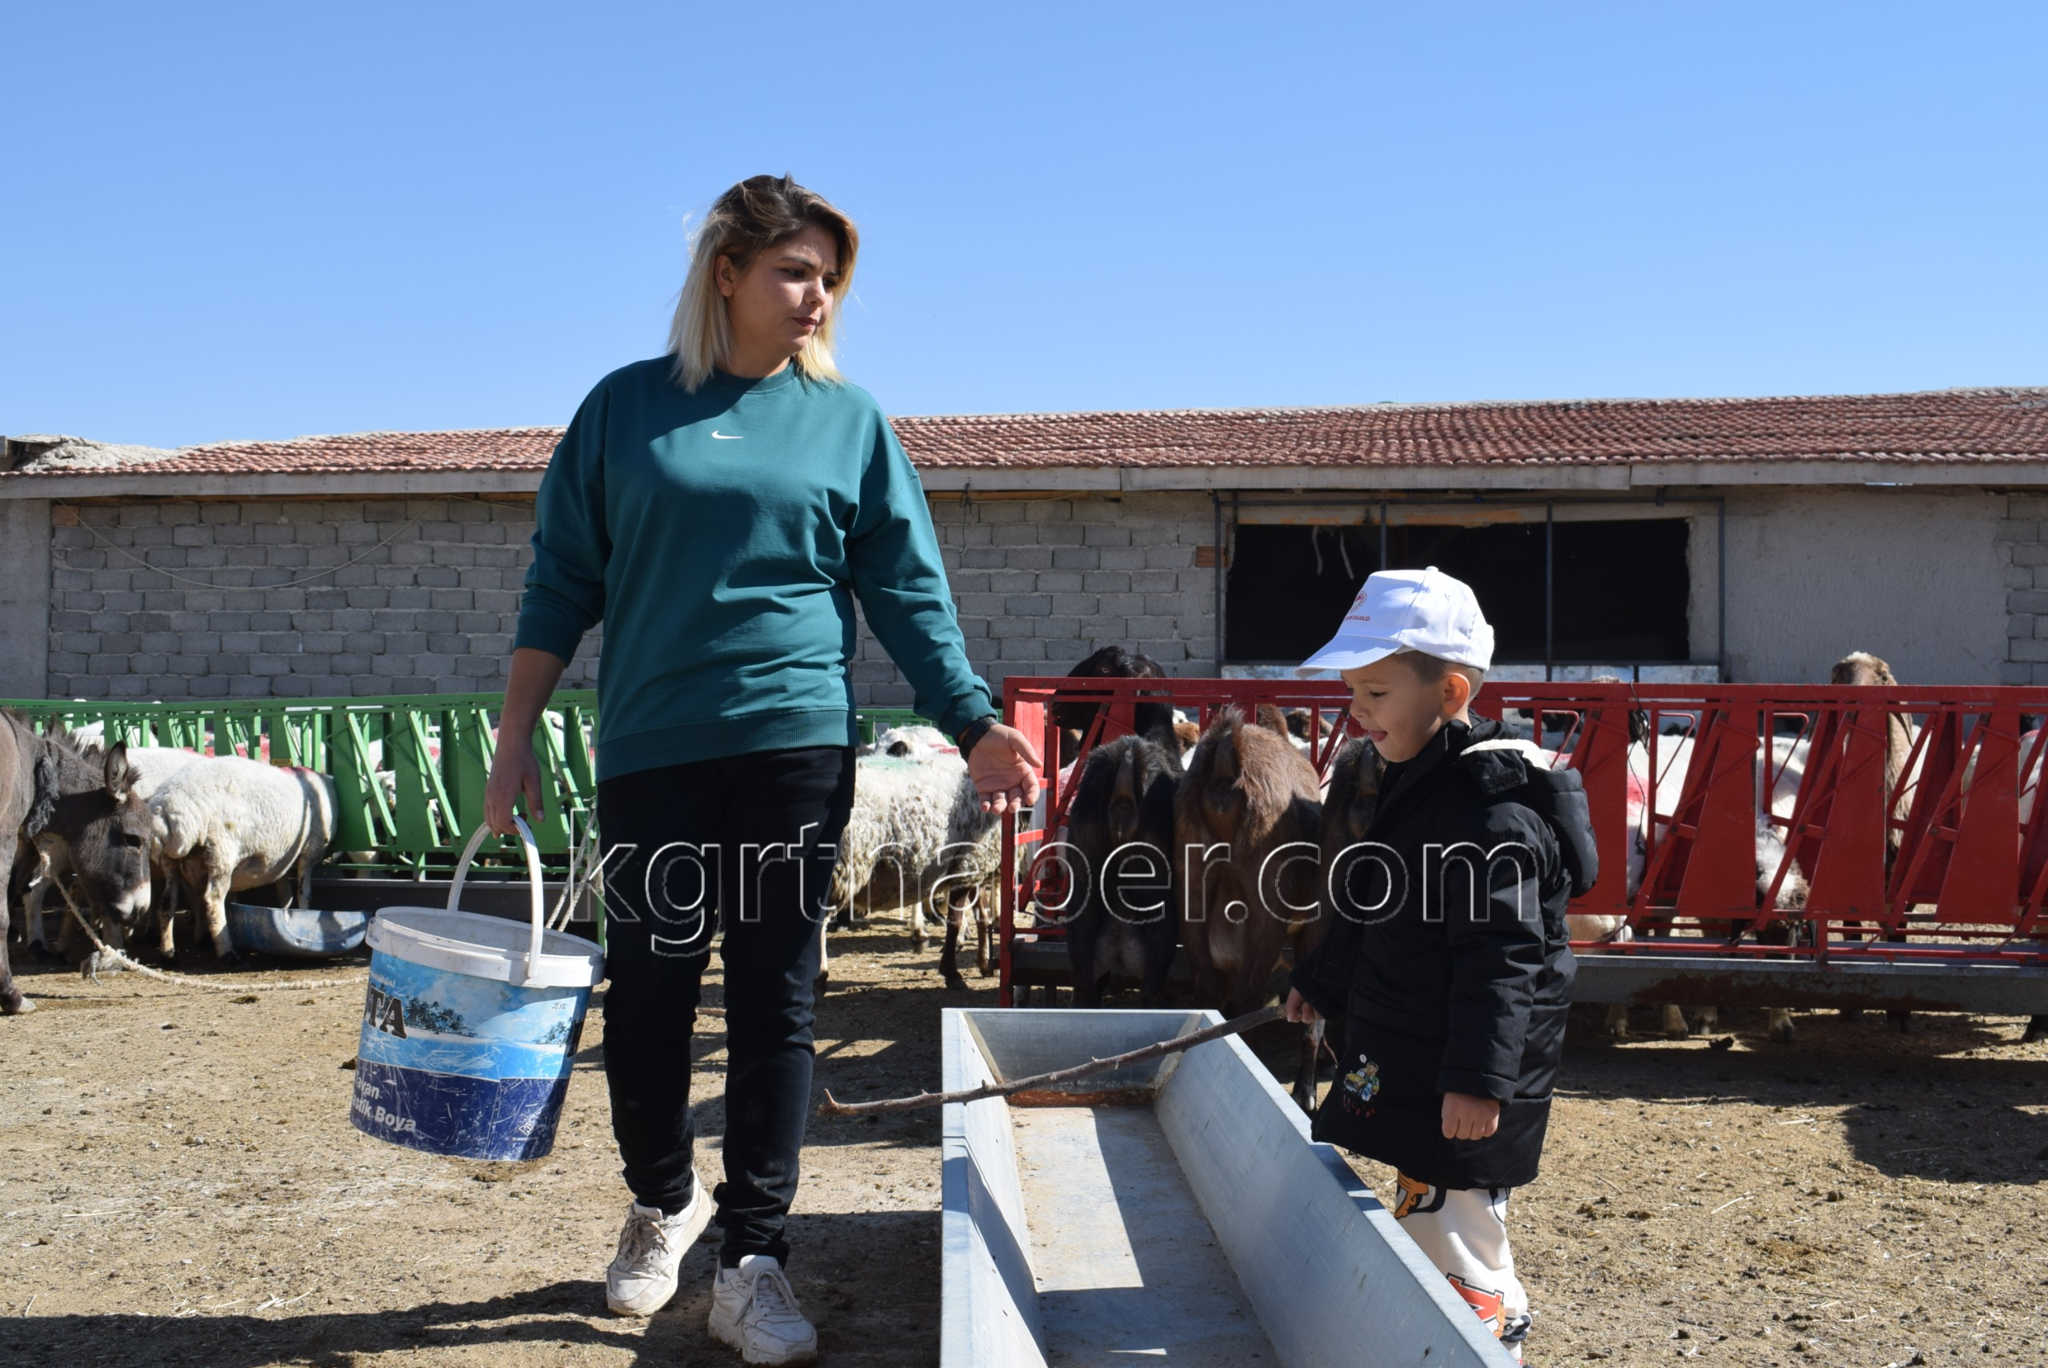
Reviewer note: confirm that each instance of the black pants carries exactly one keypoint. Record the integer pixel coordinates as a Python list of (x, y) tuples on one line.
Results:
[(747, 843)]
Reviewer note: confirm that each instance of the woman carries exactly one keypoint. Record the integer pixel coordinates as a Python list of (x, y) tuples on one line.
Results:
[(720, 508)]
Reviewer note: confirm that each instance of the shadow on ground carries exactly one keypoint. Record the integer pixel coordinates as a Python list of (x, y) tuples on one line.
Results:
[(866, 1314)]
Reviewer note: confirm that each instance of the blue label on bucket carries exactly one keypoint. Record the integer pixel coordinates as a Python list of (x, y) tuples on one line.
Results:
[(453, 1064), (415, 1017), (473, 1118)]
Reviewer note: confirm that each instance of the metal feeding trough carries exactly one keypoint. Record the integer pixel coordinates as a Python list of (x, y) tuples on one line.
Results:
[(294, 932), (1173, 1211)]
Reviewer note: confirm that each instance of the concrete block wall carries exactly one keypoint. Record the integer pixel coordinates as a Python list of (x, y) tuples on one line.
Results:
[(24, 597), (288, 598), (1041, 583), (296, 598), (1910, 574), (256, 598), (2022, 540)]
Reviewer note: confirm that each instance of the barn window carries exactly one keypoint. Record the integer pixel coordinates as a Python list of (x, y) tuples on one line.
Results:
[(1618, 587)]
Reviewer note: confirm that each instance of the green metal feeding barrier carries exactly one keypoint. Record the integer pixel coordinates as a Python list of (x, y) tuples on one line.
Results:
[(435, 748)]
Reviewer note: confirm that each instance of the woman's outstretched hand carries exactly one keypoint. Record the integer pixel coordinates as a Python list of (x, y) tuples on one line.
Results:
[(1004, 766)]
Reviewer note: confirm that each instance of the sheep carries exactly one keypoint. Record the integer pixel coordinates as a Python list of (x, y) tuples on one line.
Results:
[(1673, 761), (913, 742), (225, 823), (1247, 793), (917, 834), (1658, 796), (908, 741), (1123, 916)]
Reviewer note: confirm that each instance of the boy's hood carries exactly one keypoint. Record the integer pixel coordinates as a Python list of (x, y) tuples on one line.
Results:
[(1557, 796), (1505, 774), (1497, 768)]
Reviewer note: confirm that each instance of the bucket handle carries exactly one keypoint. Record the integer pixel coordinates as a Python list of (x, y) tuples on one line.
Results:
[(532, 885)]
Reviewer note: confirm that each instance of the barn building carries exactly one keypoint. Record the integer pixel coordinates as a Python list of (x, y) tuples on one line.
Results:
[(1744, 540)]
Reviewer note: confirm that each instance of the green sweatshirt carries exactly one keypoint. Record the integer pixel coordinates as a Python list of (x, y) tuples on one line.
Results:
[(721, 537)]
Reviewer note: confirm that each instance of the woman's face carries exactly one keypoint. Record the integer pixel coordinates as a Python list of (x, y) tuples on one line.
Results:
[(780, 300)]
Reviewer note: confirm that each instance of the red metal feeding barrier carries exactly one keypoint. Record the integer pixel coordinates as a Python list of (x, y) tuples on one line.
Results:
[(1924, 887)]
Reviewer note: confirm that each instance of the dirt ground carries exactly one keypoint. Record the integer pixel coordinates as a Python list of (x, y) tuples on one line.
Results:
[(180, 1185)]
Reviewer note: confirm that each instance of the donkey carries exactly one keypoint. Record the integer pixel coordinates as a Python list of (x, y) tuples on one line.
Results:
[(55, 791)]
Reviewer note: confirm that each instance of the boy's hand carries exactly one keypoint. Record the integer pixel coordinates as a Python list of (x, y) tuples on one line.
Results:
[(1470, 1118), (1297, 1008)]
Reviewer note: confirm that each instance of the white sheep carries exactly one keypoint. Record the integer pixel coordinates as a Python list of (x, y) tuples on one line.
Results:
[(1674, 759), (1673, 763), (917, 835), (225, 823), (916, 741)]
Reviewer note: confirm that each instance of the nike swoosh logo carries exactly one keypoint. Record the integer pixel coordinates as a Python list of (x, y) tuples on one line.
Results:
[(728, 436)]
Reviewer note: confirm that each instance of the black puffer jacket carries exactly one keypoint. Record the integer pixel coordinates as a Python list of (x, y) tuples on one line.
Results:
[(1448, 974)]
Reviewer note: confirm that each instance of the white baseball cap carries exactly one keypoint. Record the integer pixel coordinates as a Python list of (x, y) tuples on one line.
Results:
[(1408, 610)]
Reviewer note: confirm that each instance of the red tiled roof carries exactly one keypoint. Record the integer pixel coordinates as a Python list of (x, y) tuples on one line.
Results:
[(1977, 425), (384, 452)]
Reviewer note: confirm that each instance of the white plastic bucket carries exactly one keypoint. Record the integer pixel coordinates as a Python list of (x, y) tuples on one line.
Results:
[(471, 1024)]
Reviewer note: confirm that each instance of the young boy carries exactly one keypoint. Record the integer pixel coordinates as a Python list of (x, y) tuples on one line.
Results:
[(1447, 964)]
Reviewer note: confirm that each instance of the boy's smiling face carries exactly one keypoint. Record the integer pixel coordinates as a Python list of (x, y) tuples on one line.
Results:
[(1398, 709)]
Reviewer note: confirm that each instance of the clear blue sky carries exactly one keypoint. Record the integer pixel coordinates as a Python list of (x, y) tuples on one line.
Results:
[(266, 221)]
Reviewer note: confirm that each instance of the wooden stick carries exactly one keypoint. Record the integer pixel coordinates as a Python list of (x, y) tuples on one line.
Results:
[(832, 1107)]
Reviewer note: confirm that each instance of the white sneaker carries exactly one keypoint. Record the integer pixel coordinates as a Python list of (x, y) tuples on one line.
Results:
[(754, 1311), (642, 1276)]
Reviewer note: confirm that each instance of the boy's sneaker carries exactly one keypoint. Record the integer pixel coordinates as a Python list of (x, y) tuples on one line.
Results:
[(754, 1311), (642, 1276), (1514, 1334)]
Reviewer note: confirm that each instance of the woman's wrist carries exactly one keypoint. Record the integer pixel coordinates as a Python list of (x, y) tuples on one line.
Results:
[(973, 732)]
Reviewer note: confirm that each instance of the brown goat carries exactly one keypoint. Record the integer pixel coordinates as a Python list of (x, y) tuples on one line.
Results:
[(1247, 794), (1121, 832), (1273, 720), (1351, 804), (1349, 808), (1074, 714)]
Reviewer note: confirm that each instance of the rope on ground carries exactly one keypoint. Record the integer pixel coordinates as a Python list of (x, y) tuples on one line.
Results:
[(117, 957), (182, 980)]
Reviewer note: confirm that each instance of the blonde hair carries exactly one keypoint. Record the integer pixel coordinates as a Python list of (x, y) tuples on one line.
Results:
[(748, 219)]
